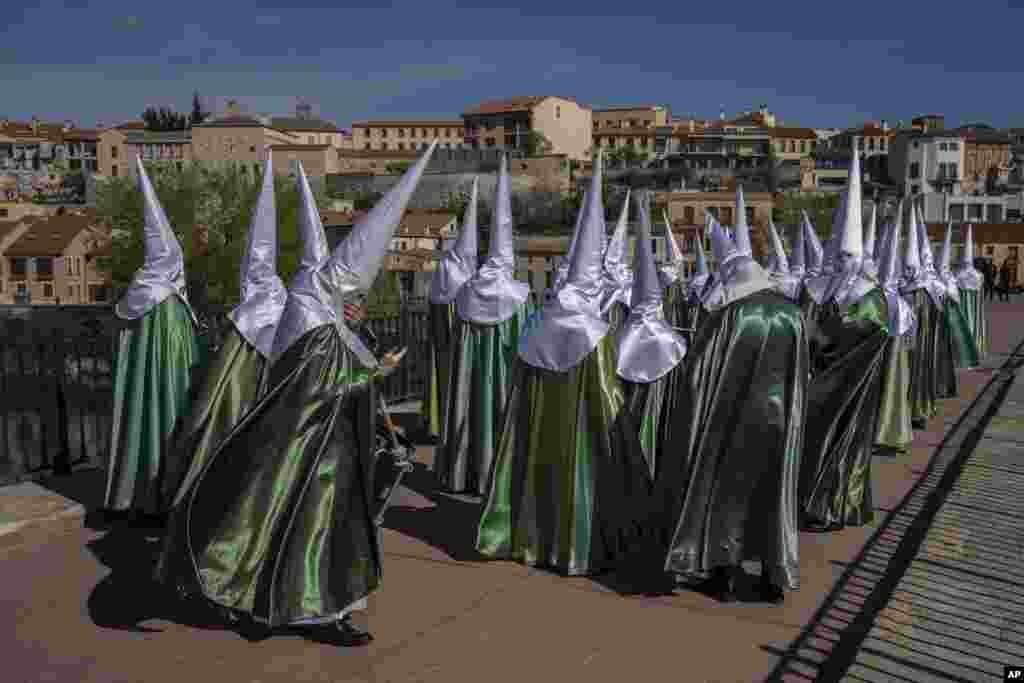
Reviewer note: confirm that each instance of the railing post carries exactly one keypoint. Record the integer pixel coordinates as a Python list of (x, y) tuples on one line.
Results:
[(62, 463)]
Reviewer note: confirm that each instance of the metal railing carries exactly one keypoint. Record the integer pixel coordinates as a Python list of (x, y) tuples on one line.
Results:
[(57, 380)]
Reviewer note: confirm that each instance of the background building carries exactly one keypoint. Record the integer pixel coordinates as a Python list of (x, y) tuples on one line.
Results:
[(507, 124), (407, 136)]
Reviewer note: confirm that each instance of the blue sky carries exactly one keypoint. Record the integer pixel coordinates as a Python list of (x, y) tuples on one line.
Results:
[(813, 63)]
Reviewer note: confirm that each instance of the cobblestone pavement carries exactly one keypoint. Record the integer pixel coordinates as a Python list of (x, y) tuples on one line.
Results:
[(76, 603)]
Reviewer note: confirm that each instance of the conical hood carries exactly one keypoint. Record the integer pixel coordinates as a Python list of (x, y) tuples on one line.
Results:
[(263, 295), (648, 347), (493, 295), (738, 274), (458, 264), (314, 241), (695, 285), (670, 273), (927, 257), (831, 248), (571, 325), (741, 235), (780, 262), (722, 247), (163, 268), (615, 252), (968, 276), (945, 273), (562, 272), (870, 240), (815, 252), (912, 254), (789, 284), (317, 293), (798, 259), (901, 314)]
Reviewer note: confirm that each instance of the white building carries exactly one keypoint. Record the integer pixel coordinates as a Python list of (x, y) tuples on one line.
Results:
[(923, 162)]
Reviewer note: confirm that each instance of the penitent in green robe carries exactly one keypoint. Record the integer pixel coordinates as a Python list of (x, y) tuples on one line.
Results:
[(234, 381), (895, 431), (570, 486), (964, 347), (727, 476), (923, 351), (157, 355), (973, 306), (441, 318), (482, 360), (848, 353), (278, 525)]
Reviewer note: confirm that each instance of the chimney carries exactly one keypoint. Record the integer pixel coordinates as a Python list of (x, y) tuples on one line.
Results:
[(232, 107)]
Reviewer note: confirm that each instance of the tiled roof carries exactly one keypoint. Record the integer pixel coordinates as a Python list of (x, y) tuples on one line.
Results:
[(642, 107), (424, 223), (789, 133), (511, 104), (298, 124), (237, 121), (378, 154), (984, 136), (613, 132), (49, 237), (299, 148), (408, 124)]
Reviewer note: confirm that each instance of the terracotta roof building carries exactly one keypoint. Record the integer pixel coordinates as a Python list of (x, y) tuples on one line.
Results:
[(510, 124), (407, 136)]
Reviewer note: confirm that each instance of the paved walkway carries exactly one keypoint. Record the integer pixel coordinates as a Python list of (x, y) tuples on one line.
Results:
[(77, 605)]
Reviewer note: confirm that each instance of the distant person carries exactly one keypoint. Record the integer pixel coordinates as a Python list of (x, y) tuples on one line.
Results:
[(988, 273), (1003, 282)]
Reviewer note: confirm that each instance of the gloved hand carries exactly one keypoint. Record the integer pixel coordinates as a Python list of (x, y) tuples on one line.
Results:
[(390, 360)]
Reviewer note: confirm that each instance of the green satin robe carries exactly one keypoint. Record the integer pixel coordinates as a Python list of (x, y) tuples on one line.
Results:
[(965, 348), (234, 381), (848, 354), (945, 357), (923, 353), (646, 403), (895, 432), (570, 487), (435, 403), (727, 478), (973, 306), (157, 356), (482, 359), (279, 523)]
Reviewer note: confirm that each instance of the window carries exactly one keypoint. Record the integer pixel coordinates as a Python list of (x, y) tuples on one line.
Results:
[(942, 147), (19, 266), (22, 289), (4, 213), (68, 265), (383, 145), (113, 152), (995, 213), (113, 170), (71, 291), (954, 146), (97, 293), (44, 266), (916, 144), (688, 215), (558, 111), (401, 132), (726, 213), (974, 211), (915, 170), (401, 146), (871, 144), (914, 189), (47, 291), (490, 142), (953, 170), (423, 132), (956, 213)]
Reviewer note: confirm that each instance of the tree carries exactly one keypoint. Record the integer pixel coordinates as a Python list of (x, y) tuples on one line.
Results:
[(397, 167), (209, 209), (164, 119), (198, 114), (627, 155), (537, 144)]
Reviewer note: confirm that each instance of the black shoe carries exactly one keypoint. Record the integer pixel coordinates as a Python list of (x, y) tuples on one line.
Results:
[(769, 592), (726, 583), (348, 634), (918, 423)]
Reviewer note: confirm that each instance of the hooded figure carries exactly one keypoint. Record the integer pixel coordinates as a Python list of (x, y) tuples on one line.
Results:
[(562, 272), (815, 252), (279, 524), (157, 353), (894, 432), (970, 282), (649, 350), (456, 268), (924, 348), (236, 378), (779, 268), (686, 311), (491, 311), (945, 357), (671, 272), (870, 266), (618, 278), (729, 462), (847, 355), (965, 348), (570, 484)]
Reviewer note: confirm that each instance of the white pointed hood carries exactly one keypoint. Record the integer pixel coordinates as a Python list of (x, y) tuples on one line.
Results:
[(789, 284), (741, 234), (946, 266), (798, 259), (968, 276), (163, 267), (648, 346), (913, 274), (571, 324), (933, 283), (618, 277), (671, 271), (870, 267), (317, 293), (738, 276), (901, 314), (458, 264), (494, 295), (562, 271), (695, 285), (263, 295), (814, 251)]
